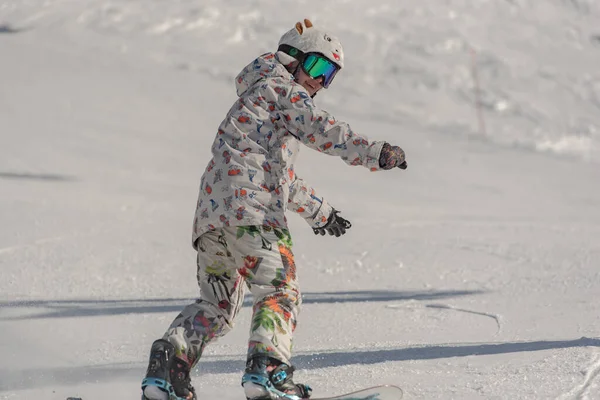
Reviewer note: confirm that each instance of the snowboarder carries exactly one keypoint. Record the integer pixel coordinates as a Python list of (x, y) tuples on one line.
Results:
[(240, 229)]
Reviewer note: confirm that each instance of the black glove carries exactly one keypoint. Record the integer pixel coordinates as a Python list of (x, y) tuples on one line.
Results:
[(392, 157), (336, 225)]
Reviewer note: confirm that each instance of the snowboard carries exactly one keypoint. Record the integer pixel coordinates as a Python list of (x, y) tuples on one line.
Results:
[(387, 392)]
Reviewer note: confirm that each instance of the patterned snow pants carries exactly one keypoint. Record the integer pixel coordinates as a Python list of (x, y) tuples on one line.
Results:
[(230, 260)]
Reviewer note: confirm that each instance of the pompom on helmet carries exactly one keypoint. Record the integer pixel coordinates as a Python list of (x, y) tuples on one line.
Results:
[(316, 52)]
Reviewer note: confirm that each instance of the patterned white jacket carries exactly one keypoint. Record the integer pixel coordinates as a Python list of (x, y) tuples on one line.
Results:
[(250, 179)]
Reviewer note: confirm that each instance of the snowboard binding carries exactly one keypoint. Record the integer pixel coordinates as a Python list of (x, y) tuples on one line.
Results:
[(269, 379), (167, 377)]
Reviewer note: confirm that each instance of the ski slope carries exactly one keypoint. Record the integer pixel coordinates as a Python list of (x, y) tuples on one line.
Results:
[(471, 275)]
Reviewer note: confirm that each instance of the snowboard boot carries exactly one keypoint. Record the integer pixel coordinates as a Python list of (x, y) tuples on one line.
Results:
[(167, 377), (269, 379)]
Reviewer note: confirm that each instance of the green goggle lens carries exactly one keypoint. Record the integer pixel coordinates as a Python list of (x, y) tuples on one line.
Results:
[(316, 66)]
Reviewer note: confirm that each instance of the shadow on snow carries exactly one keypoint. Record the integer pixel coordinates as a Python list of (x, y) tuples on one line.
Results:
[(5, 28), (89, 308), (38, 177), (27, 379)]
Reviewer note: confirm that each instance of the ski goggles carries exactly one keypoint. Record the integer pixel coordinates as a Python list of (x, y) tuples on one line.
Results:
[(316, 66)]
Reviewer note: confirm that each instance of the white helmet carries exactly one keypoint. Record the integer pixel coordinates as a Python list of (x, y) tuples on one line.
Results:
[(307, 39)]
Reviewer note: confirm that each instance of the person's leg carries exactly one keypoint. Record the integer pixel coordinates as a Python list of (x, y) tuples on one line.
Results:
[(264, 257), (211, 316), (221, 297)]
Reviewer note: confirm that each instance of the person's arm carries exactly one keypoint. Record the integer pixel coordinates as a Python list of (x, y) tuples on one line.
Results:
[(320, 131), (304, 201)]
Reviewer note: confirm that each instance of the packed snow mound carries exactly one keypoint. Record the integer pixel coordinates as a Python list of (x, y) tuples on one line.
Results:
[(535, 61)]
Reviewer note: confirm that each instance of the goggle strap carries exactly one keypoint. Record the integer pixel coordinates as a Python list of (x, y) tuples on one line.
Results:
[(291, 51)]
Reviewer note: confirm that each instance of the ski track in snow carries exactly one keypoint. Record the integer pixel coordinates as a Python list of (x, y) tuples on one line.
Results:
[(495, 317), (581, 392), (447, 307)]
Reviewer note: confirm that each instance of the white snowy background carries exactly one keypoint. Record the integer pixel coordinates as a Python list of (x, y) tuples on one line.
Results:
[(474, 274)]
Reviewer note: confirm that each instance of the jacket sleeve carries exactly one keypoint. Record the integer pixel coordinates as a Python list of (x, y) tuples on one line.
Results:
[(320, 131), (303, 200)]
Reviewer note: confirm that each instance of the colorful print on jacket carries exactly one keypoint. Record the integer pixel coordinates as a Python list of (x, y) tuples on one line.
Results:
[(250, 179)]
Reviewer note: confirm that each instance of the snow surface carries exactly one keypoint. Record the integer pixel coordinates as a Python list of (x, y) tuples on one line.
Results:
[(473, 274)]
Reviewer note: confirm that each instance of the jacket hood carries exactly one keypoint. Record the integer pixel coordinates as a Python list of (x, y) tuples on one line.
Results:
[(265, 66)]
